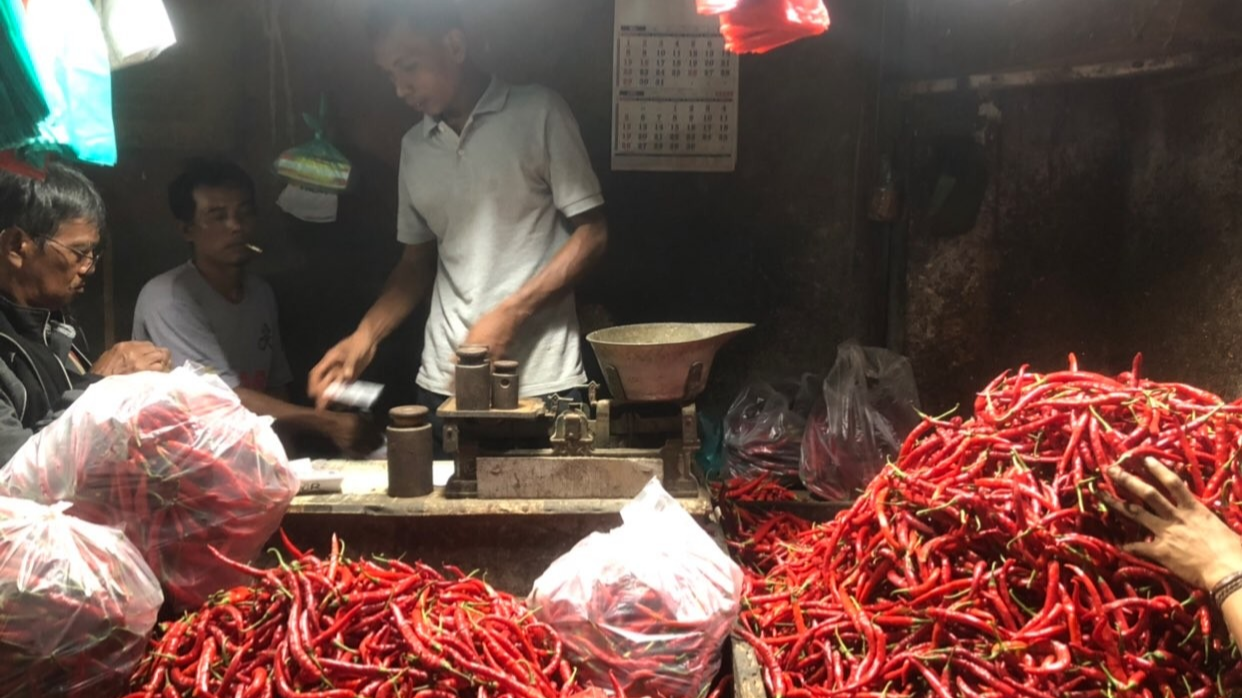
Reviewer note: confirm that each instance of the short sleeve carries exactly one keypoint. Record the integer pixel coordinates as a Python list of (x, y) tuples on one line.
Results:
[(411, 228), (575, 188), (168, 319)]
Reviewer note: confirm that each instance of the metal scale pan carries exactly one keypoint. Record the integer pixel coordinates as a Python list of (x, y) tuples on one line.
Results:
[(660, 362)]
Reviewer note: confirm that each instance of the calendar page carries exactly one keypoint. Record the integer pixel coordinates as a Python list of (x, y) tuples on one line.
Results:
[(674, 94)]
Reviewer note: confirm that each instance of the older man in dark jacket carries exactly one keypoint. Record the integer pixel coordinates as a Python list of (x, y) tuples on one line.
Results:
[(49, 246)]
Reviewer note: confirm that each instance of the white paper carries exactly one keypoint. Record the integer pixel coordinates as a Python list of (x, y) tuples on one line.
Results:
[(674, 92), (307, 205)]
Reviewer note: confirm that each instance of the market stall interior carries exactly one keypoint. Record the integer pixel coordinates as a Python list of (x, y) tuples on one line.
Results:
[(620, 349)]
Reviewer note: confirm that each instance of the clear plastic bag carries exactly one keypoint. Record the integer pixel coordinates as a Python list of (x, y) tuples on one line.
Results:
[(650, 602), (175, 461), (758, 26), (77, 604), (870, 404), (764, 427)]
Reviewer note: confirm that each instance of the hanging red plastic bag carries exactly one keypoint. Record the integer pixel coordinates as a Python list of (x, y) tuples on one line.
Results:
[(715, 7), (77, 604), (649, 603), (758, 26), (175, 461)]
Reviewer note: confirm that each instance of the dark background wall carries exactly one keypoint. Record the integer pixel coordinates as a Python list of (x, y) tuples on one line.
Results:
[(1099, 218), (1091, 217), (780, 242)]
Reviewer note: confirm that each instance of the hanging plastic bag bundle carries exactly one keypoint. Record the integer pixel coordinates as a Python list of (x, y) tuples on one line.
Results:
[(649, 603), (764, 426), (22, 106), (175, 461), (315, 165), (758, 26), (70, 57), (870, 404), (77, 604)]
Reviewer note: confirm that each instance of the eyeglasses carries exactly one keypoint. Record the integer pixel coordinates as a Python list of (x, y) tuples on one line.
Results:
[(85, 261)]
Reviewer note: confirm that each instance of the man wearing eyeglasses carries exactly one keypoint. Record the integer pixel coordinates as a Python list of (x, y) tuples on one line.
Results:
[(49, 247), (213, 312)]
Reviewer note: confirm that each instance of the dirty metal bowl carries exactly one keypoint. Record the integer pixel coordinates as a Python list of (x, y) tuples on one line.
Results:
[(660, 362)]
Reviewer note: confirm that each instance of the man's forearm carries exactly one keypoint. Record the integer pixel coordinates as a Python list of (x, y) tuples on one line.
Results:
[(1232, 612), (287, 415), (407, 286), (568, 267)]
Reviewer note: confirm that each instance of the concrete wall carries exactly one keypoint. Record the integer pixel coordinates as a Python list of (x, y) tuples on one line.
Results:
[(1092, 218), (779, 242), (1183, 252)]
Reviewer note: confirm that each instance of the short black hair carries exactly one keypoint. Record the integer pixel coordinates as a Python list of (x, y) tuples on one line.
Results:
[(204, 172), (433, 18), (40, 206)]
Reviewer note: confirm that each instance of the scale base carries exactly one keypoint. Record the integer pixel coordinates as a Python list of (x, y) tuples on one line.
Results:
[(461, 488)]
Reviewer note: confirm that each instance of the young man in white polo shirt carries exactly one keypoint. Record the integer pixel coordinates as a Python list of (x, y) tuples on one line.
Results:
[(500, 214)]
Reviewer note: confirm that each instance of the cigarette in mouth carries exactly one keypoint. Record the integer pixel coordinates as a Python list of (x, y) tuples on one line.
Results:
[(254, 248)]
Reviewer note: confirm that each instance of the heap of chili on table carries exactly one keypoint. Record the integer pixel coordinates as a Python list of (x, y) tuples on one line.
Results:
[(982, 562)]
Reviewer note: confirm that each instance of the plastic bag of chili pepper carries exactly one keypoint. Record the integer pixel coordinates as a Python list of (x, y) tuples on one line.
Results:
[(172, 459), (764, 427), (870, 404), (648, 604), (77, 603)]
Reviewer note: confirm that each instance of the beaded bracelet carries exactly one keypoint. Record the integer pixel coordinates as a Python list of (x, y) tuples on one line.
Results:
[(1226, 588)]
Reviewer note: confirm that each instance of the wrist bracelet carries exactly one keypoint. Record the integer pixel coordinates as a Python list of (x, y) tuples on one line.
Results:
[(1226, 588)]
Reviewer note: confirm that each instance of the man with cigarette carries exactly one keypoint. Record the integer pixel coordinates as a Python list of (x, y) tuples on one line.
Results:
[(215, 313)]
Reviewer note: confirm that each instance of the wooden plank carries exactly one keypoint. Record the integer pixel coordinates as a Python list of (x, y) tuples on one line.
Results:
[(747, 677), (528, 409), (363, 493), (565, 477), (1050, 76)]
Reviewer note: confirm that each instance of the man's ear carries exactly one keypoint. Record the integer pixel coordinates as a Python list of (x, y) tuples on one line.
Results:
[(183, 229), (455, 44), (15, 246)]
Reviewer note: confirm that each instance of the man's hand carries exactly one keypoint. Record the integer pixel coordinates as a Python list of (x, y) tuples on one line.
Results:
[(352, 433), (495, 330), (131, 357), (343, 363), (1187, 537)]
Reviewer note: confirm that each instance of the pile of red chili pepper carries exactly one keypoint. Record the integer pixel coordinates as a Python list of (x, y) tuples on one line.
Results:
[(172, 459), (340, 628), (982, 562), (77, 604)]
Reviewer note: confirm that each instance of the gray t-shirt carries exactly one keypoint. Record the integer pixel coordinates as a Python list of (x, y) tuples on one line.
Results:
[(178, 310), (496, 201)]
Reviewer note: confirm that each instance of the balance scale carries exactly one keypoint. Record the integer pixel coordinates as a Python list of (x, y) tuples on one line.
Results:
[(556, 448)]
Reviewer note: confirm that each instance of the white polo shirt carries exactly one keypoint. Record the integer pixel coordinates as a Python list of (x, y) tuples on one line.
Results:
[(497, 200)]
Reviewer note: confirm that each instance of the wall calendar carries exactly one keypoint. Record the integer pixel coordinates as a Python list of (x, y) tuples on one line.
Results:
[(674, 94)]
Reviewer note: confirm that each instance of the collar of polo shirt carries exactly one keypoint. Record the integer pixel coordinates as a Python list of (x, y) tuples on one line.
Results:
[(493, 100)]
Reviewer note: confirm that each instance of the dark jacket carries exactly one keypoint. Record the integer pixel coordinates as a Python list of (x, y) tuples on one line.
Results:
[(42, 370)]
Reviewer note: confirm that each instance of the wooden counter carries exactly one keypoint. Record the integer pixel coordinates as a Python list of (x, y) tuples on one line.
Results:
[(363, 493), (513, 540)]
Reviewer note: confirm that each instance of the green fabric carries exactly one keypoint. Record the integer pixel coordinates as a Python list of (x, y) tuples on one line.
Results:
[(22, 105)]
